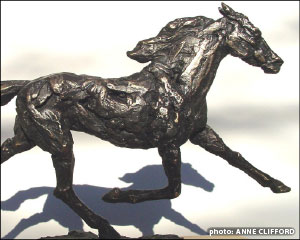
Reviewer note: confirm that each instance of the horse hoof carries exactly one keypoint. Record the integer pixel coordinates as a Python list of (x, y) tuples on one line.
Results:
[(108, 232), (112, 196), (278, 187)]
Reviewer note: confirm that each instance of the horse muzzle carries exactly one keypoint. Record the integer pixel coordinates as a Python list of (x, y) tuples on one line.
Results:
[(272, 67)]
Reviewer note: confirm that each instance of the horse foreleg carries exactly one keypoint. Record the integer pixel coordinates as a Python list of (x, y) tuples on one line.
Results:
[(64, 165), (171, 159), (210, 141), (19, 143)]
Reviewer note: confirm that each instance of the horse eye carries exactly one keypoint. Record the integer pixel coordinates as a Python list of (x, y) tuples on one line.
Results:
[(122, 95)]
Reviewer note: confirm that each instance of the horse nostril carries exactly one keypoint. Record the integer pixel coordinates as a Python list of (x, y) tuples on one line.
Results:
[(272, 66), (279, 61)]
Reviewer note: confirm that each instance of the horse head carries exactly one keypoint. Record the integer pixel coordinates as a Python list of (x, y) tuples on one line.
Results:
[(244, 40)]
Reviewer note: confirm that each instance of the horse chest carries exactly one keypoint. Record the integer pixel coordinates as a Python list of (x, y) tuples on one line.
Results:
[(172, 124)]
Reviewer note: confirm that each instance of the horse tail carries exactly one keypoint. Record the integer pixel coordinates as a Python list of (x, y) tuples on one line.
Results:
[(9, 89)]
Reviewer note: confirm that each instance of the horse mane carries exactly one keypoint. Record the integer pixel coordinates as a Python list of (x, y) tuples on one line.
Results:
[(174, 31), (181, 25)]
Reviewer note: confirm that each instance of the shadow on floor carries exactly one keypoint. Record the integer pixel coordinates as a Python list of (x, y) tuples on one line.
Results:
[(142, 215)]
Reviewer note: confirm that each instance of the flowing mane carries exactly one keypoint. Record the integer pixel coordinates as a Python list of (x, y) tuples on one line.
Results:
[(163, 43), (185, 24)]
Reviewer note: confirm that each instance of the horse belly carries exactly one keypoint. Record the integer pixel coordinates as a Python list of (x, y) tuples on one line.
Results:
[(123, 133), (129, 131)]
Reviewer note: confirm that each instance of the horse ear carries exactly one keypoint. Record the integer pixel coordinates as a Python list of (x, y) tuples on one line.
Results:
[(226, 10)]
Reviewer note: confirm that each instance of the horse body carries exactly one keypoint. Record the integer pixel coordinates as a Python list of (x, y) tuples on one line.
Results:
[(143, 110), (127, 115), (162, 106), (88, 104)]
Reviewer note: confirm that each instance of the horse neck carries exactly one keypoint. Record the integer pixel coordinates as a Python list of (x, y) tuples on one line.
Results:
[(199, 73)]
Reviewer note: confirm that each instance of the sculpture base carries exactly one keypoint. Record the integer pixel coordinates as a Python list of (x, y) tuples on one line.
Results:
[(90, 235)]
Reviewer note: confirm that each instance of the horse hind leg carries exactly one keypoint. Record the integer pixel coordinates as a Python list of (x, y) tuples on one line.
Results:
[(55, 137), (63, 163), (211, 142), (51, 133), (17, 144)]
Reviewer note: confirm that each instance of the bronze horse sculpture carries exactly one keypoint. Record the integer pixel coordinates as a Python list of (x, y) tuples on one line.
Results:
[(163, 106)]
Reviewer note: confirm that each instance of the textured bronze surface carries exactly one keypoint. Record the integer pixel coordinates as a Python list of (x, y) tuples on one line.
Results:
[(163, 106)]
